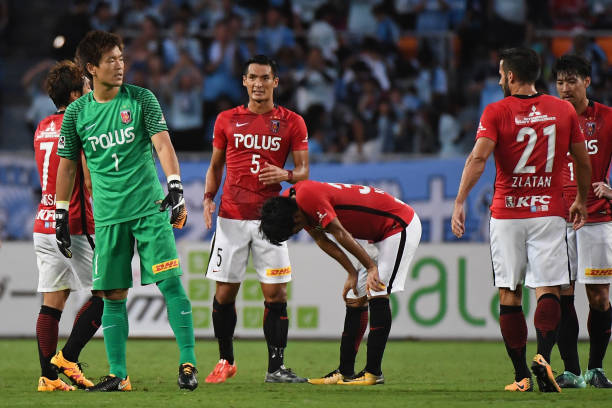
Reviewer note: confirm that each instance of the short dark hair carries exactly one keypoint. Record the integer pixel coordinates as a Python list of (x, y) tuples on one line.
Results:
[(93, 45), (261, 59), (277, 221), (523, 62), (572, 65), (63, 78)]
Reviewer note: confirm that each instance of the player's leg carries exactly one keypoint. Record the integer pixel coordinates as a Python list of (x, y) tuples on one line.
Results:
[(547, 271), (227, 267), (159, 263), (509, 260), (88, 319), (599, 324), (112, 273), (54, 282), (274, 271), (395, 254)]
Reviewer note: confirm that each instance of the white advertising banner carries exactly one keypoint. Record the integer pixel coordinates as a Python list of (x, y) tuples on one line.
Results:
[(448, 295)]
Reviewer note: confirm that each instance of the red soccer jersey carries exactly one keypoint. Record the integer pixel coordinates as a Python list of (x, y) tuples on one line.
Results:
[(366, 212), (250, 140), (533, 135), (47, 161), (596, 125)]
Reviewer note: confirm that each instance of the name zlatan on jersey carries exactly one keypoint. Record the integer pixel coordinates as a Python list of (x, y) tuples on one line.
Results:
[(112, 138), (531, 181), (259, 142)]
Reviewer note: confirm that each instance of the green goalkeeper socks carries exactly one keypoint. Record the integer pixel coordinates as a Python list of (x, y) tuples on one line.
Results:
[(115, 327), (180, 317)]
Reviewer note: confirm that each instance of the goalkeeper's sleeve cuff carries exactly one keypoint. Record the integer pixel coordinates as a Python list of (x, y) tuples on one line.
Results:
[(62, 205)]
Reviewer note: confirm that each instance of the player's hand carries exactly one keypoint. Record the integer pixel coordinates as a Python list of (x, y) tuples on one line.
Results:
[(271, 174), (350, 284), (373, 282), (458, 220), (62, 232), (578, 214), (602, 190), (209, 210), (176, 202)]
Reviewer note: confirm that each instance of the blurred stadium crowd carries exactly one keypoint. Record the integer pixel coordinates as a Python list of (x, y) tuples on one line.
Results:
[(370, 77)]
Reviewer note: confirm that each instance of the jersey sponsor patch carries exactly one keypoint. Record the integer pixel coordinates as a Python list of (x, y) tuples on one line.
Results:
[(598, 272), (61, 142), (164, 266), (278, 271)]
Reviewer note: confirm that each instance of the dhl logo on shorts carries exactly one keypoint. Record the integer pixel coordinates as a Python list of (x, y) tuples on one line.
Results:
[(164, 266), (279, 271), (598, 272)]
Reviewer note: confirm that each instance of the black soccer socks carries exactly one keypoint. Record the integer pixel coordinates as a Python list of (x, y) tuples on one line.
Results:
[(355, 323), (599, 334), (276, 328), (224, 322), (567, 339), (86, 323), (380, 326), (47, 326)]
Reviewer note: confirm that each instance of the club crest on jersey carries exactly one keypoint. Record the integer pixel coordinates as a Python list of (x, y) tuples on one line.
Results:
[(274, 126), (590, 128), (126, 116)]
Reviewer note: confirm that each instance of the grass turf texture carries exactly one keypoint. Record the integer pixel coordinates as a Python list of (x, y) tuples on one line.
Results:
[(418, 374)]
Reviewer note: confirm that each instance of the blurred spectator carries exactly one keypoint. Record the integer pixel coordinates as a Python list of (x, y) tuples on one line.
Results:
[(179, 41), (587, 48), (432, 15), (274, 34), (361, 22), (33, 82), (568, 14), (185, 105), (69, 30), (223, 65), (136, 12), (507, 22), (371, 55), (315, 83), (601, 14), (322, 34), (387, 32), (103, 17)]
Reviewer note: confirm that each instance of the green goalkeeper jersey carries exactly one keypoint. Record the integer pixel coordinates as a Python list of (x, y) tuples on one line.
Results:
[(116, 139)]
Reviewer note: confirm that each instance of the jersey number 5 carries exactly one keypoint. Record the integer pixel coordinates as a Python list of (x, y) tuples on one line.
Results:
[(521, 166)]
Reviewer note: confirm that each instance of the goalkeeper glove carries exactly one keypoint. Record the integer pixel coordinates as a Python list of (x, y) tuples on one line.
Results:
[(62, 232), (176, 202)]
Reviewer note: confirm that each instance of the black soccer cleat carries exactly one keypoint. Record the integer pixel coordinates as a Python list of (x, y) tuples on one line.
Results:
[(187, 378), (112, 383), (544, 375), (284, 375)]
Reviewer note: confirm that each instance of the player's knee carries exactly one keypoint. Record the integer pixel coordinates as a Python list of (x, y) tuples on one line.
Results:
[(598, 296), (358, 302), (226, 292), (274, 293), (116, 294)]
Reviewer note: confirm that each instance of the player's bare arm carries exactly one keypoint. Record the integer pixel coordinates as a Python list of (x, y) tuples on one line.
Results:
[(66, 173), (271, 174), (602, 190), (86, 174), (213, 180), (331, 249), (474, 166), (165, 152), (582, 164), (345, 239)]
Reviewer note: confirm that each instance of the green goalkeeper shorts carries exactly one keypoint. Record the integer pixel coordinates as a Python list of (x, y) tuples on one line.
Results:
[(112, 263)]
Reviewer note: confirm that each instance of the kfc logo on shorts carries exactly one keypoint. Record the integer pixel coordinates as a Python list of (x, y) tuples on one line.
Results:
[(164, 266), (126, 116), (509, 202)]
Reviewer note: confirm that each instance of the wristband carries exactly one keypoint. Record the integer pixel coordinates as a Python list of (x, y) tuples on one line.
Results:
[(62, 205), (174, 177), (289, 175), (209, 195)]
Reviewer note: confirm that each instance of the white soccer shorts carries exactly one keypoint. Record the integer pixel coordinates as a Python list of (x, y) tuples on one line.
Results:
[(530, 250), (590, 253), (229, 256), (393, 256), (55, 271)]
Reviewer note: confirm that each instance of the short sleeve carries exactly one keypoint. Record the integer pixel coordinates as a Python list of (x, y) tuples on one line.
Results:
[(488, 126), (219, 137), (69, 144), (576, 133), (299, 134), (154, 121), (316, 205)]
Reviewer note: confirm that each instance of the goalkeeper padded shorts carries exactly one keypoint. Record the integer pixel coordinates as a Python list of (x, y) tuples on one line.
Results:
[(112, 263)]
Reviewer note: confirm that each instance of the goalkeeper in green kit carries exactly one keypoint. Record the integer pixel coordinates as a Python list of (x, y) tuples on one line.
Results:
[(116, 126)]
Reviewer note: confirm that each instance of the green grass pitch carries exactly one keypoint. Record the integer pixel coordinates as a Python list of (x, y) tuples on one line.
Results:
[(417, 373)]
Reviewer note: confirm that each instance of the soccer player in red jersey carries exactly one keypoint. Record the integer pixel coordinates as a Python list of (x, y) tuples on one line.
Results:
[(59, 275), (253, 142), (590, 252), (530, 135), (350, 212)]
